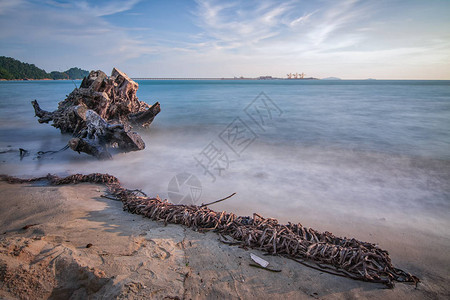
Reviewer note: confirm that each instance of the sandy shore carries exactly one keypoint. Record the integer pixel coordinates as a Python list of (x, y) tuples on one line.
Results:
[(83, 246)]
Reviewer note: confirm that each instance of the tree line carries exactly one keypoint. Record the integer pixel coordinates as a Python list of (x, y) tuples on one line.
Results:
[(11, 69)]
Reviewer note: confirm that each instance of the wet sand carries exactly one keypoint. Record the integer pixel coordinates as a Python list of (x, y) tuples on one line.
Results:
[(82, 245)]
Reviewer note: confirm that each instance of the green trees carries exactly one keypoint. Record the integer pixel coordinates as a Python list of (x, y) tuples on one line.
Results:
[(4, 74), (58, 75), (11, 68), (72, 73), (76, 73)]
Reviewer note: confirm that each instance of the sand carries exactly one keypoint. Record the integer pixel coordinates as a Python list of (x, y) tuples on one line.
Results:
[(83, 246)]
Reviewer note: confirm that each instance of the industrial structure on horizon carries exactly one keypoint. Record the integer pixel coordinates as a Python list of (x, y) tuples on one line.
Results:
[(295, 76)]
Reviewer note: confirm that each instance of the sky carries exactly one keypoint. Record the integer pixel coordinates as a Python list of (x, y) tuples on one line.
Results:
[(349, 39)]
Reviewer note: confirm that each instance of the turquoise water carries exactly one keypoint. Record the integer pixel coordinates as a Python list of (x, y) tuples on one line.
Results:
[(403, 117), (309, 151)]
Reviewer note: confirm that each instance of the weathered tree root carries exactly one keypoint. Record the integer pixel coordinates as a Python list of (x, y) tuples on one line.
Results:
[(100, 114), (340, 256)]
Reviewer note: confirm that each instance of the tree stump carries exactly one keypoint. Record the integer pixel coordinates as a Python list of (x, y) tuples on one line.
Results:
[(101, 113)]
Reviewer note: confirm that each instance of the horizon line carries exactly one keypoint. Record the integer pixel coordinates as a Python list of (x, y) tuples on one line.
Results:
[(274, 78)]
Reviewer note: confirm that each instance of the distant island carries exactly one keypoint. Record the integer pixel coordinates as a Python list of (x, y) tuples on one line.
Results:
[(331, 78), (13, 69)]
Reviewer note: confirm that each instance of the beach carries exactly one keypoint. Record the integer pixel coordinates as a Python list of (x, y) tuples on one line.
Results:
[(360, 159), (211, 150), (78, 244)]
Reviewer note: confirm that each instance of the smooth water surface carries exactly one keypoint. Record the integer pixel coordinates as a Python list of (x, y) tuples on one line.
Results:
[(304, 151)]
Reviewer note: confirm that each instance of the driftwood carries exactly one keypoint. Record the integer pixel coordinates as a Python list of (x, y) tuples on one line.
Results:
[(101, 113), (323, 251)]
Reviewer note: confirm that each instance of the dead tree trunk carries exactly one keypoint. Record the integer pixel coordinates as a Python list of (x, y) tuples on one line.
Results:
[(100, 114)]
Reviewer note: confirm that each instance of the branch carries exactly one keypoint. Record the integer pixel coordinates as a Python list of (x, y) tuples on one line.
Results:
[(217, 201)]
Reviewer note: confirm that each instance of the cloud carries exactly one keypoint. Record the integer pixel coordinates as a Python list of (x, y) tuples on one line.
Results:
[(106, 8), (301, 19), (226, 38), (8, 5), (235, 25), (258, 26), (63, 29)]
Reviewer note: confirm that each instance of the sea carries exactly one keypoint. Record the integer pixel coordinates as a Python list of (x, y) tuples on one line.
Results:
[(318, 152)]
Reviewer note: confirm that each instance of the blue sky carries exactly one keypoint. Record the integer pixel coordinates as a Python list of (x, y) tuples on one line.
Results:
[(350, 39)]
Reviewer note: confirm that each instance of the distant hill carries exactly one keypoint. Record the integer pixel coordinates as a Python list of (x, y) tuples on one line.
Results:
[(11, 69), (72, 73), (331, 78)]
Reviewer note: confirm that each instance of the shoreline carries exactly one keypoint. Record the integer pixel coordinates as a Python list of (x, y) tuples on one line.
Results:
[(133, 256), (168, 78), (248, 79), (43, 79)]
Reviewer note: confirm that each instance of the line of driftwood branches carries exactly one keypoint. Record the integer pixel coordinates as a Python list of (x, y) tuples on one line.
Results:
[(341, 256)]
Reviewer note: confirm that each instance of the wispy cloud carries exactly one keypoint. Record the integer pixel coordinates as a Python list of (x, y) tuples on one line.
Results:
[(107, 8), (301, 20), (342, 17), (236, 26), (225, 38), (323, 33), (64, 27), (7, 6), (233, 24)]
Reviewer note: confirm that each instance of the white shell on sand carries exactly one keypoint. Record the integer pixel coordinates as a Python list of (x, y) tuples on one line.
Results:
[(259, 260)]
